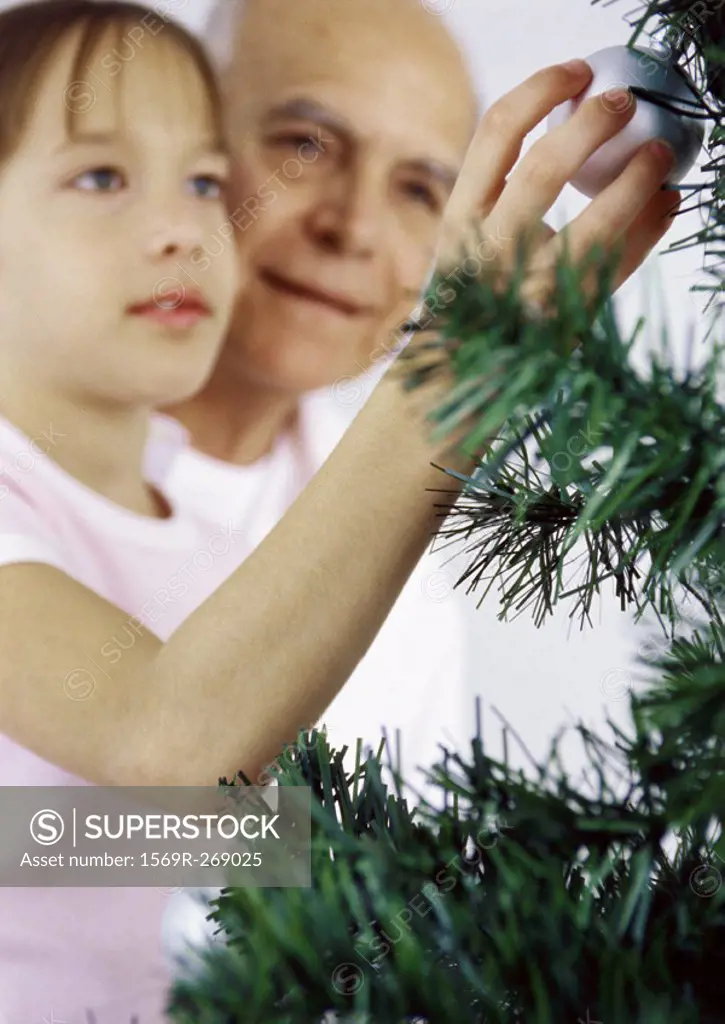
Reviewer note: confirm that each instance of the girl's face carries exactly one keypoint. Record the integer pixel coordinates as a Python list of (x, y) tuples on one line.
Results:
[(94, 227)]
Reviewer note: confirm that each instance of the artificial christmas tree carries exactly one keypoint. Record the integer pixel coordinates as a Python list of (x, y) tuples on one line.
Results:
[(520, 899)]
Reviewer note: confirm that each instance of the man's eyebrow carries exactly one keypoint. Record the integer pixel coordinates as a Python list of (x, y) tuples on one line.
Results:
[(443, 173), (310, 110)]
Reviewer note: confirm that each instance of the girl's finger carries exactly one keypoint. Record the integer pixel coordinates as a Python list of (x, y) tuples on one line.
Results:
[(616, 213), (645, 231), (554, 160), (648, 228), (497, 143)]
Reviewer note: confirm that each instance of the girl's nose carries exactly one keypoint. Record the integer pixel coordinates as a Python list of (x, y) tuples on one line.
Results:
[(180, 238)]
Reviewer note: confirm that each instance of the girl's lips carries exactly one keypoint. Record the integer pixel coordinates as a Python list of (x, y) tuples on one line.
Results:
[(186, 314)]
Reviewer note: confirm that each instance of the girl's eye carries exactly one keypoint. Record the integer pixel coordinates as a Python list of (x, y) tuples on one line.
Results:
[(207, 186), (100, 179)]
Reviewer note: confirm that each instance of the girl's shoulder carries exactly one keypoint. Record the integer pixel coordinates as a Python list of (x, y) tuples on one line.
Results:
[(27, 533), (28, 504), (47, 515)]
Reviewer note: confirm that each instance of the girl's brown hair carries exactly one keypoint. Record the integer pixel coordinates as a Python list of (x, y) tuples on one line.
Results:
[(31, 33)]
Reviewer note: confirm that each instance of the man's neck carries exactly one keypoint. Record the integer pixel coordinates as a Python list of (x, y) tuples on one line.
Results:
[(236, 421)]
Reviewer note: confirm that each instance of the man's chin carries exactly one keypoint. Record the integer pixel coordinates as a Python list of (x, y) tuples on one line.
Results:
[(294, 367)]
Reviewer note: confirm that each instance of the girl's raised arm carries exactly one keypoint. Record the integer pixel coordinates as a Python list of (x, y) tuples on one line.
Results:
[(263, 656)]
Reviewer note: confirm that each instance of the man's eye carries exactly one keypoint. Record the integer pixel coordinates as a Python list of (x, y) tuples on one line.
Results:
[(422, 194), (303, 144), (208, 186), (100, 179)]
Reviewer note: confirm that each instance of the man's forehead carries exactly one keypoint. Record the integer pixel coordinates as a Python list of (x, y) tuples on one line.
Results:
[(370, 62)]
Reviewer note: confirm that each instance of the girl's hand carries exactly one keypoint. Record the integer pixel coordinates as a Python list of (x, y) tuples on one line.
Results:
[(489, 212)]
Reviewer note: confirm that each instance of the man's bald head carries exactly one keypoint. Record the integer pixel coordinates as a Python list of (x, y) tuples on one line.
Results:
[(249, 37), (349, 121)]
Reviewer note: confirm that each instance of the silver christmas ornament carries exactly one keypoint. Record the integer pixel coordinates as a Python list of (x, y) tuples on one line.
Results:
[(666, 114)]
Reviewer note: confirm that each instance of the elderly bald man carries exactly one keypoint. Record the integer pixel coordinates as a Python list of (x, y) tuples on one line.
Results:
[(349, 121)]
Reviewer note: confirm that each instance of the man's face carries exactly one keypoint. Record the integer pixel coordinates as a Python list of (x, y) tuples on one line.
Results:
[(347, 137)]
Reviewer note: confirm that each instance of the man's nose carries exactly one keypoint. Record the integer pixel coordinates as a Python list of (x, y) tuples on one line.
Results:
[(349, 215)]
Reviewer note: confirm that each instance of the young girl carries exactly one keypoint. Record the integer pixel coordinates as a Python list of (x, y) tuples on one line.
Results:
[(133, 650)]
